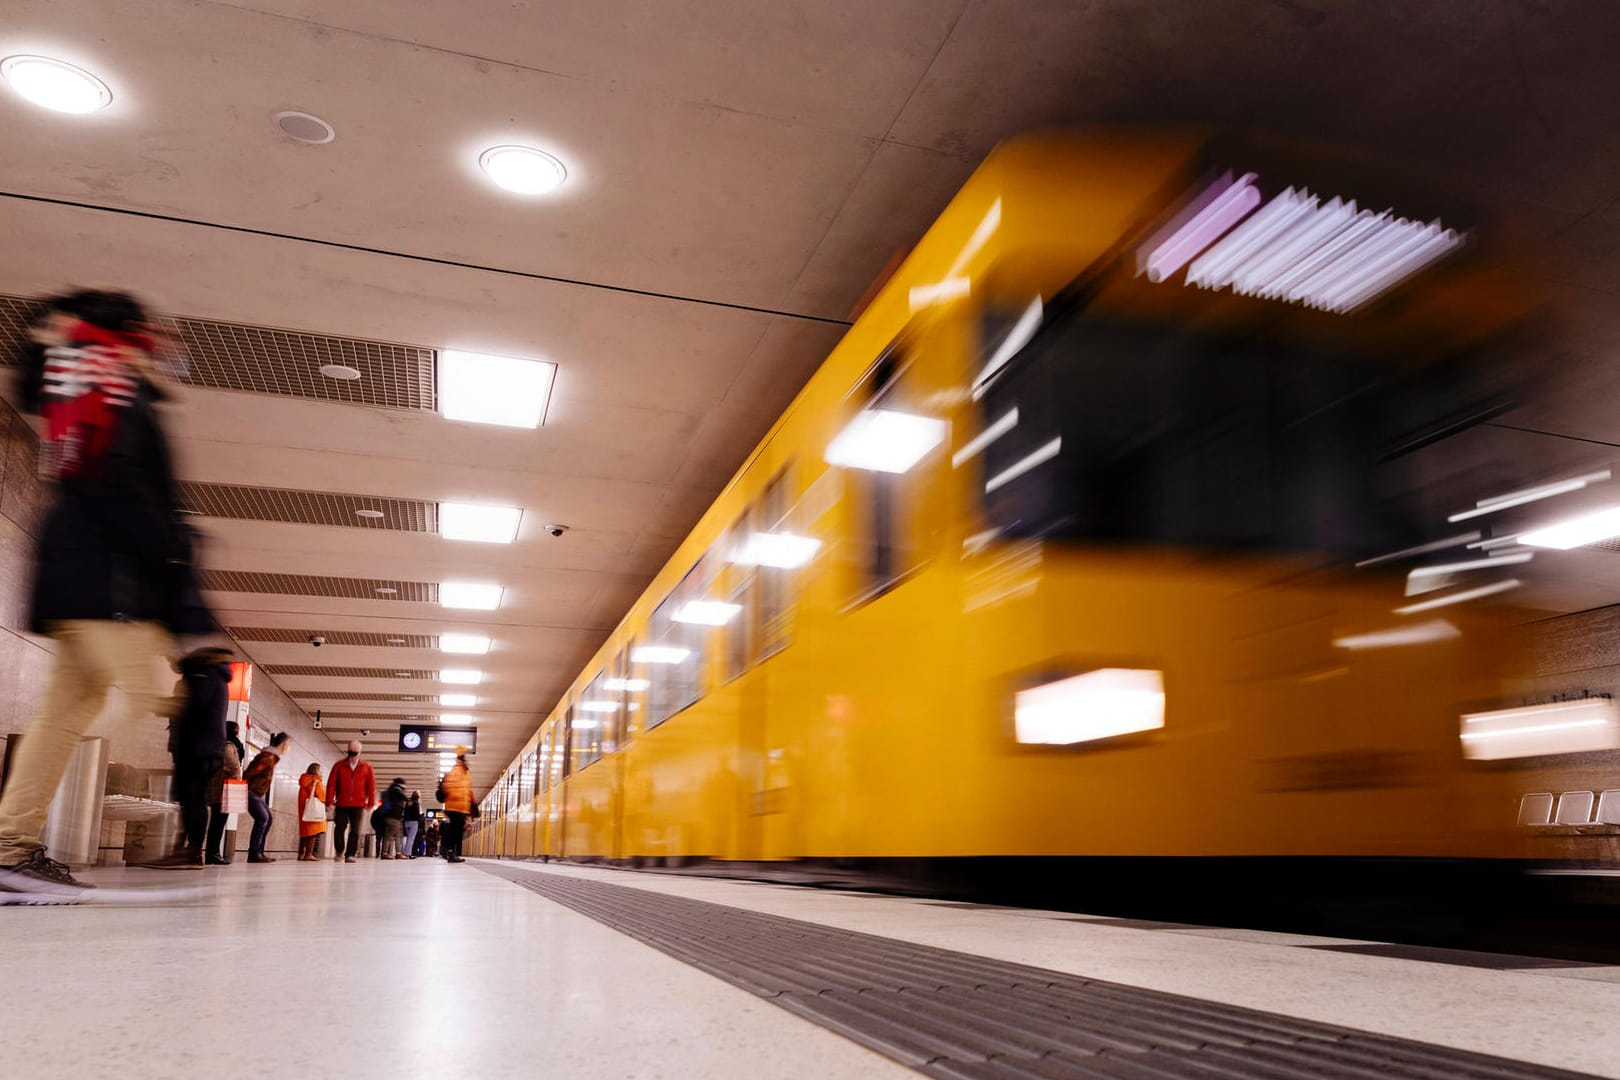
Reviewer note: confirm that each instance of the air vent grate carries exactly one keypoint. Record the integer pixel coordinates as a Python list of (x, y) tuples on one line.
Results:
[(283, 363), (404, 718), (284, 636), (335, 672), (246, 581), (353, 695), (310, 507)]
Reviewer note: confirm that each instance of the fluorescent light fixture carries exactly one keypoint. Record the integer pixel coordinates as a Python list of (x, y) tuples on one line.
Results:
[(503, 390), (458, 701), (779, 550), (1016, 339), (485, 524), (985, 438), (461, 677), (599, 706), (55, 84), (707, 612), (1460, 597), (885, 440), (659, 654), (1530, 494), (1559, 727), (470, 597), (1576, 532), (1018, 468), (631, 685), (1422, 634), (464, 644), (453, 719), (1097, 705), (522, 170), (1222, 205)]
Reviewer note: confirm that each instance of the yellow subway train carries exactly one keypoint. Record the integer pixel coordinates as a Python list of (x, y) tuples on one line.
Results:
[(1089, 551)]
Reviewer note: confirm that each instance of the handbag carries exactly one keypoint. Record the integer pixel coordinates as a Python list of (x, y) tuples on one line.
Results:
[(314, 809), (233, 799), (438, 793)]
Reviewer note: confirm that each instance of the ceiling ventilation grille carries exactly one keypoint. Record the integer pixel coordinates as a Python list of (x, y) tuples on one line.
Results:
[(246, 581), (310, 507), (285, 363), (408, 718), (283, 636), (353, 695), (336, 672)]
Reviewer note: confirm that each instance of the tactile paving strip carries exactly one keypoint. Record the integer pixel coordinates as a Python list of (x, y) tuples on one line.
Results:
[(950, 1014)]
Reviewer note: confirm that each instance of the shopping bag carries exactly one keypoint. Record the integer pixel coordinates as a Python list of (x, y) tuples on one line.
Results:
[(233, 800), (314, 810)]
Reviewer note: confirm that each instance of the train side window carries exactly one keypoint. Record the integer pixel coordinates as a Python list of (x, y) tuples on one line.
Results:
[(628, 690), (564, 748), (773, 527), (742, 591), (545, 762), (527, 793), (598, 720), (672, 654)]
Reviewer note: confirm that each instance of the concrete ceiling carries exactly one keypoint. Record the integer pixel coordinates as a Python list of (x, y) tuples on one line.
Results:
[(740, 171)]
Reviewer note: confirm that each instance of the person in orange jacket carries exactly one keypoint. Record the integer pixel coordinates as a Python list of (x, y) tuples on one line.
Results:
[(310, 828), (456, 793)]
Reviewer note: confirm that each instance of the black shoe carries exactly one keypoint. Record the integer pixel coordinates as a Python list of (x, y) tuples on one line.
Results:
[(215, 860), (180, 860), (39, 876), (455, 858)]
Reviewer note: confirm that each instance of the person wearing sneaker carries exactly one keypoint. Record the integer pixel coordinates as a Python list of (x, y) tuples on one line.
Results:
[(197, 746), (352, 790), (113, 581), (261, 771)]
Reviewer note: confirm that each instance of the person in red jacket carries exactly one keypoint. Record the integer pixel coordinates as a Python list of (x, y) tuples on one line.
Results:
[(352, 789)]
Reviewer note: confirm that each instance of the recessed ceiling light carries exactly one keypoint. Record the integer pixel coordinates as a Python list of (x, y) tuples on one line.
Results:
[(522, 170), (458, 701), (340, 372), (469, 644), (403, 674), (502, 390), (370, 515), (461, 677), (470, 597), (304, 127), (396, 641), (486, 524), (55, 84), (386, 591)]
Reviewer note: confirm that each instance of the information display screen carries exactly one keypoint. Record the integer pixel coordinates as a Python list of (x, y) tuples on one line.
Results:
[(427, 739)]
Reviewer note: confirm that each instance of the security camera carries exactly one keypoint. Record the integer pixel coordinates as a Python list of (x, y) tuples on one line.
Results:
[(317, 640), (556, 530), (364, 732), (316, 723)]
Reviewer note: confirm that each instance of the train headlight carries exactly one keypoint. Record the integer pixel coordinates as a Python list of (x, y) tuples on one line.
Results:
[(1558, 727), (1097, 705)]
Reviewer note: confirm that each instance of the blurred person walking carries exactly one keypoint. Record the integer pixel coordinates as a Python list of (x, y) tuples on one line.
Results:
[(197, 746), (261, 771), (353, 791), (230, 768), (311, 813), (413, 823), (456, 793), (113, 581), (395, 802)]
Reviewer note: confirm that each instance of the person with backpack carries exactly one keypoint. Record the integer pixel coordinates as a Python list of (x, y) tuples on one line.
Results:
[(197, 747), (413, 823), (113, 581), (393, 807)]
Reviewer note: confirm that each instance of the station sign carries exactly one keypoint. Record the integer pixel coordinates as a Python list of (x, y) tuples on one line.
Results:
[(430, 739)]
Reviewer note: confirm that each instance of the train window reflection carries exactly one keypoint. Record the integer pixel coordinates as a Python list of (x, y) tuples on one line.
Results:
[(672, 657)]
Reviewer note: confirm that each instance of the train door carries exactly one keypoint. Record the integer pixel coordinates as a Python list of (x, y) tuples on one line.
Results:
[(618, 686), (542, 824), (510, 814)]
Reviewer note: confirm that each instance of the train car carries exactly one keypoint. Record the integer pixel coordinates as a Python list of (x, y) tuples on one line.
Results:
[(1050, 574)]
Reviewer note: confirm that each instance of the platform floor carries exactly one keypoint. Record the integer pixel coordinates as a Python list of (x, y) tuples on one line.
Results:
[(425, 969)]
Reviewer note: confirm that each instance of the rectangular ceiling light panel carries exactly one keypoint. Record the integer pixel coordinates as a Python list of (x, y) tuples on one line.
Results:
[(484, 524), (461, 677), (1297, 249), (464, 644), (503, 390), (469, 596)]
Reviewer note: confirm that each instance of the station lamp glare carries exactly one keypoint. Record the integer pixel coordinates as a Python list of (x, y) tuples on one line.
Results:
[(522, 170), (506, 391), (484, 524), (55, 84), (885, 440)]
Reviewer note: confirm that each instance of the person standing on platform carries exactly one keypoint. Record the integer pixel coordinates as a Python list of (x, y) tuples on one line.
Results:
[(197, 747), (113, 581), (261, 771), (393, 822), (230, 768), (456, 793), (311, 813), (353, 791), (413, 823)]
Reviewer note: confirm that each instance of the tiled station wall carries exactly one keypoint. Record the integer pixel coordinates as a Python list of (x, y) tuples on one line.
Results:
[(25, 660)]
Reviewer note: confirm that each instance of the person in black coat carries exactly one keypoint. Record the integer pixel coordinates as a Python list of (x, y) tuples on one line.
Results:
[(197, 747), (114, 582)]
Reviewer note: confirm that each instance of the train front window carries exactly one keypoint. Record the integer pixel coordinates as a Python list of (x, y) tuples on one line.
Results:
[(1131, 432)]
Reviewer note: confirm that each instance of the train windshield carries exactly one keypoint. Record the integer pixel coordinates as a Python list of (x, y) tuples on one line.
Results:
[(1144, 433)]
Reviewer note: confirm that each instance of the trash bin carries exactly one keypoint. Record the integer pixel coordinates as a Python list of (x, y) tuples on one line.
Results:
[(73, 821)]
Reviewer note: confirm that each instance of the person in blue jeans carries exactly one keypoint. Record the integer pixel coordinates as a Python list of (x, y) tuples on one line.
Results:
[(259, 775)]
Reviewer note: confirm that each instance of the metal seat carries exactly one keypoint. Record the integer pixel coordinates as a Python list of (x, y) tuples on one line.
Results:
[(1608, 808), (1536, 808), (1575, 808)]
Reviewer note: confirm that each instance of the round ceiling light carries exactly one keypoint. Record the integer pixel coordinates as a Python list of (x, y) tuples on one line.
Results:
[(522, 169), (341, 372), (386, 591), (304, 127), (55, 84), (369, 515)]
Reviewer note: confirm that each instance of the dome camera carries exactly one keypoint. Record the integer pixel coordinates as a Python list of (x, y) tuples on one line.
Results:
[(364, 732), (317, 640), (556, 530)]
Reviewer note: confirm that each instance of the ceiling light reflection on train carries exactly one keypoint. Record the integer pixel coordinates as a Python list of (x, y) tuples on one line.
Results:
[(659, 654), (707, 612), (777, 550), (1576, 532), (885, 440), (1558, 727), (1422, 634), (631, 685), (599, 706), (1097, 705)]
